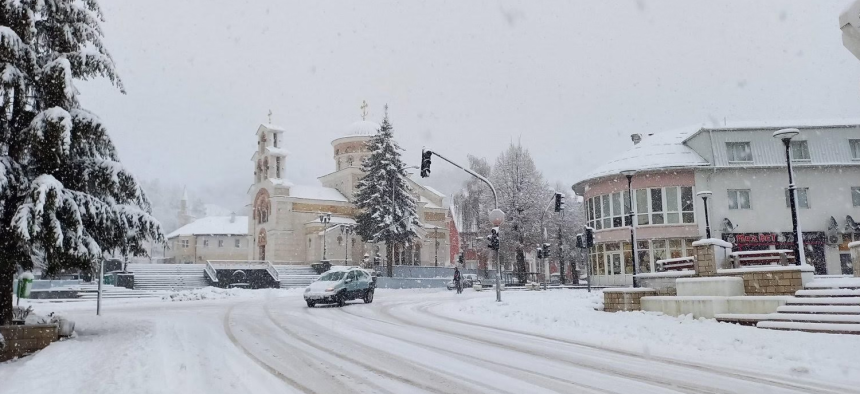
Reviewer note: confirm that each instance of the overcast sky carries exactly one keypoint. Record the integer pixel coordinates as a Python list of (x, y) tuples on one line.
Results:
[(571, 80)]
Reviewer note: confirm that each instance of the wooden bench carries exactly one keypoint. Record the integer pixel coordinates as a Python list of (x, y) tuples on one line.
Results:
[(676, 264), (762, 257)]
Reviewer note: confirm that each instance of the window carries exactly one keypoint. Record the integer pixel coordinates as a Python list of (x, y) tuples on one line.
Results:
[(642, 206), (277, 167), (220, 243), (672, 206), (687, 208), (739, 199), (625, 198), (184, 243), (657, 206), (607, 220), (855, 149), (617, 220), (275, 139), (205, 243), (739, 152), (855, 196), (802, 198), (799, 151), (238, 243)]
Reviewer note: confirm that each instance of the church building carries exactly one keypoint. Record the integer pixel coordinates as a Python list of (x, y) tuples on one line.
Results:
[(301, 224)]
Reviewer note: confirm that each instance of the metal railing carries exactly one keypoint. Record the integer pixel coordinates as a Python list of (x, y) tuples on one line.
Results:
[(210, 270), (762, 257), (676, 264), (273, 272)]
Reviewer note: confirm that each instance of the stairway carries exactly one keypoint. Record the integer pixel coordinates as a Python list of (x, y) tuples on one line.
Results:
[(296, 276), (167, 276), (90, 292), (824, 305)]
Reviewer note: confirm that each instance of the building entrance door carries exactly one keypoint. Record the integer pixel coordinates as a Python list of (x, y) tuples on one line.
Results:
[(615, 268)]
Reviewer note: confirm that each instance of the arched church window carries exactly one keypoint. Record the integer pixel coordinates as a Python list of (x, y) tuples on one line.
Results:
[(262, 206), (277, 167), (337, 151), (265, 167), (349, 161), (340, 240), (339, 163), (310, 243)]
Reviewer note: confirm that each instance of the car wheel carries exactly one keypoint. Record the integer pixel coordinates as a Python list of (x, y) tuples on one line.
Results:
[(368, 297), (311, 304), (341, 299)]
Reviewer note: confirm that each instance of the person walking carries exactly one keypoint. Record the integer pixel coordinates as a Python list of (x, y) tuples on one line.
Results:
[(457, 280)]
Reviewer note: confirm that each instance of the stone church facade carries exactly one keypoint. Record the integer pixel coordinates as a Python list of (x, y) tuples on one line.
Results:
[(285, 227)]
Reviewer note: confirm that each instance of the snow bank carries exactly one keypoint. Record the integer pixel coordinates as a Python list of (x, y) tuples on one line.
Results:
[(570, 315), (206, 293)]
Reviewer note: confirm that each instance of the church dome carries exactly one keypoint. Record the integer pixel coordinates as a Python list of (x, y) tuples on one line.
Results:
[(362, 128)]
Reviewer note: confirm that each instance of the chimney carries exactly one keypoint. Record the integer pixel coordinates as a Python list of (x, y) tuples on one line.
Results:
[(232, 217), (637, 138)]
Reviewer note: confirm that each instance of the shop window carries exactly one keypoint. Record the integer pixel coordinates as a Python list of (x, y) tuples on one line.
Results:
[(802, 198), (687, 207), (739, 199), (739, 152), (659, 250), (644, 252), (675, 248)]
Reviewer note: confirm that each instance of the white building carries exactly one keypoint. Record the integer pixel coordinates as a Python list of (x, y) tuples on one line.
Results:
[(745, 169)]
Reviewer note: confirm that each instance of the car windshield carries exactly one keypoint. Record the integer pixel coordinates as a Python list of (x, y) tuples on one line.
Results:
[(332, 276)]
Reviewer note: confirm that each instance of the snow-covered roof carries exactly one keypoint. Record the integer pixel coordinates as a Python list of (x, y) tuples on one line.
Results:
[(317, 193), (216, 210), (659, 151), (272, 127), (214, 225), (434, 191), (277, 151), (280, 182), (362, 128), (781, 124), (429, 204)]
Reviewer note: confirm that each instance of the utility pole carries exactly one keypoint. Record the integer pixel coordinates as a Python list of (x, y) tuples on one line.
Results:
[(436, 240)]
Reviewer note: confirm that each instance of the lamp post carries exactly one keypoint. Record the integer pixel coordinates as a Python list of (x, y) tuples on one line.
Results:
[(786, 135), (629, 174), (436, 240), (346, 230), (705, 195), (325, 219)]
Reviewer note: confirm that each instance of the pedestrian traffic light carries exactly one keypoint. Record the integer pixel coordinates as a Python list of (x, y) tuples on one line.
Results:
[(425, 163), (559, 202), (579, 243), (589, 237)]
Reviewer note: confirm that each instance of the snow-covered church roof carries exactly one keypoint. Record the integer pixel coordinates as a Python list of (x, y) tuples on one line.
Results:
[(362, 128), (317, 193), (659, 151), (214, 225)]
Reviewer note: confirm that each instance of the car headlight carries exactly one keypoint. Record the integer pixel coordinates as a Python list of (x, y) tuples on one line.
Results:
[(330, 289)]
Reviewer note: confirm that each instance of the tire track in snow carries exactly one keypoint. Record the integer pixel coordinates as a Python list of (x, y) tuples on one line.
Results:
[(286, 379), (665, 383), (813, 388), (506, 368), (353, 360)]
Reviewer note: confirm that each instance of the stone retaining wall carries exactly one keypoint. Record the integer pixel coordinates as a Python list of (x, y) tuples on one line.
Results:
[(23, 340), (758, 283), (625, 299), (855, 257)]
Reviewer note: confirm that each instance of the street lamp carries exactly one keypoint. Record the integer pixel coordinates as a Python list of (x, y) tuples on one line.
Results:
[(705, 195), (629, 174), (786, 135), (346, 230), (325, 218)]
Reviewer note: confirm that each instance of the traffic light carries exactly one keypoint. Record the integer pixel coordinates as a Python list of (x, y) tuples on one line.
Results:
[(493, 239), (461, 259), (589, 237), (579, 243), (546, 250), (559, 202), (539, 253), (425, 163)]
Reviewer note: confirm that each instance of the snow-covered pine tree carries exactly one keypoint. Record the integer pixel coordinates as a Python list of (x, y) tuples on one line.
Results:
[(65, 200), (387, 208), (522, 196)]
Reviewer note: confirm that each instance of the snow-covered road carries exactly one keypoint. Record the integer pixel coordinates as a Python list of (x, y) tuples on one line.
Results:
[(405, 342)]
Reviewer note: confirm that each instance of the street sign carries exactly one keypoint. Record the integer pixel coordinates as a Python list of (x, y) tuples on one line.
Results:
[(497, 217)]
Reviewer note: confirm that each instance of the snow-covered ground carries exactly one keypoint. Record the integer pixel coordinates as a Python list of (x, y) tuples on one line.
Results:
[(264, 341)]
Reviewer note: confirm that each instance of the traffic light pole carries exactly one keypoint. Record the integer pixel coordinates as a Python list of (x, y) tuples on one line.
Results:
[(543, 263), (495, 201)]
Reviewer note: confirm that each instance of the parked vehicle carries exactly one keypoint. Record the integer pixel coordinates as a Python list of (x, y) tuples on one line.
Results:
[(341, 284)]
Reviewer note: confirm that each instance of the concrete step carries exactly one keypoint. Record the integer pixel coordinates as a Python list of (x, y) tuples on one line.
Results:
[(746, 319), (830, 328), (820, 309), (820, 292), (814, 318), (824, 301)]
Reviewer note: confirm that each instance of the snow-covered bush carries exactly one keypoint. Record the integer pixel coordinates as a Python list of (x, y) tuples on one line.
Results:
[(21, 314), (206, 293)]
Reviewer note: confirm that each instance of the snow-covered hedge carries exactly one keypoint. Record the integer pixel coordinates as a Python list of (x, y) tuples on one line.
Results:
[(206, 293)]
